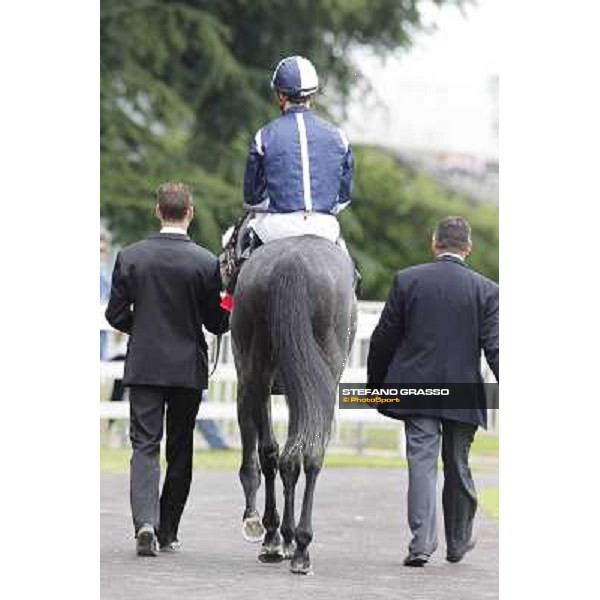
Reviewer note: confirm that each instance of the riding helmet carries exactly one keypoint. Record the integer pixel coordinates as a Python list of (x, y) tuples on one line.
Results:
[(295, 77)]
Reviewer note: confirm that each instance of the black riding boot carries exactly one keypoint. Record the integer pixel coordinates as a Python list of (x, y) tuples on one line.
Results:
[(357, 276), (357, 279), (249, 243)]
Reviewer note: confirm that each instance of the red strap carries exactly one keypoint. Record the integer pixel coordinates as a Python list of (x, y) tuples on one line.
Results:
[(227, 302)]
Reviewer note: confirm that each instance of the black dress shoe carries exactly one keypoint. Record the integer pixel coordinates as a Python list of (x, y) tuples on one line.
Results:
[(416, 560), (173, 547), (146, 541), (455, 558)]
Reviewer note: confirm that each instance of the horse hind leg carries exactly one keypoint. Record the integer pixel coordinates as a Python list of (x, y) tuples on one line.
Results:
[(304, 532), (252, 528), (268, 451), (289, 469)]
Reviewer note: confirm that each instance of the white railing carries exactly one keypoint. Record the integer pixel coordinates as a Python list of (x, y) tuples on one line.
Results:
[(223, 383)]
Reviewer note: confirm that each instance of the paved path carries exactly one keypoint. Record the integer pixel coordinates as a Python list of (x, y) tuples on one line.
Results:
[(360, 540)]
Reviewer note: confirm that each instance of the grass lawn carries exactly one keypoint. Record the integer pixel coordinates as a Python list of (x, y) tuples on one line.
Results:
[(380, 438), (116, 460), (486, 444), (490, 501), (484, 457)]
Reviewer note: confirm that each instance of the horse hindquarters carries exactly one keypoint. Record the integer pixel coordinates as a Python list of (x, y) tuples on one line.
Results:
[(308, 381), (310, 391)]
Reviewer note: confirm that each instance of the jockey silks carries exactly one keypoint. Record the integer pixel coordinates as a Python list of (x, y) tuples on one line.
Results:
[(299, 162)]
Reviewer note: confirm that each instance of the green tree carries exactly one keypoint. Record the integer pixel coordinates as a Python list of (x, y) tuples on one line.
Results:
[(184, 84), (393, 215)]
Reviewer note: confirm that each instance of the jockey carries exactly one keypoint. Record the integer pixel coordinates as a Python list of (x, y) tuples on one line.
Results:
[(299, 169), (298, 173)]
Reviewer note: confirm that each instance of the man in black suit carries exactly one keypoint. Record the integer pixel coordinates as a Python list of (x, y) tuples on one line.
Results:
[(437, 320), (164, 289)]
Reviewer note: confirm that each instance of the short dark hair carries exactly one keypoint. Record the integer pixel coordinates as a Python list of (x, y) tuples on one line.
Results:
[(298, 99), (174, 199), (295, 100), (453, 233)]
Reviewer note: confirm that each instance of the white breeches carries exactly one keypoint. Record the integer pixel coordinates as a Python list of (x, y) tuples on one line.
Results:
[(274, 226)]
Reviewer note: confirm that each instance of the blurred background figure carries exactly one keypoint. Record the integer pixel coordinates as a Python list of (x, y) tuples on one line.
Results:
[(105, 274), (112, 344), (210, 430)]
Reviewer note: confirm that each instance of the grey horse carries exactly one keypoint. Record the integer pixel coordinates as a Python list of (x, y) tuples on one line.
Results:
[(294, 317)]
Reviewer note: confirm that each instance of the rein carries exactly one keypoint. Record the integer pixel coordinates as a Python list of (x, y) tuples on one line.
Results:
[(217, 353), (230, 256)]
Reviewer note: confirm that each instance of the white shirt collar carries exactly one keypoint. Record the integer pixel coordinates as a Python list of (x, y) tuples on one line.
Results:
[(451, 254), (173, 230)]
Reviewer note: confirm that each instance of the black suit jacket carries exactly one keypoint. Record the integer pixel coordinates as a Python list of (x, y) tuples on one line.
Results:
[(164, 289), (437, 319)]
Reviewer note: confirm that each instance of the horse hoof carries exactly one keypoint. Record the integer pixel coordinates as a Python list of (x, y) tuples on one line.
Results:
[(253, 530), (288, 550), (270, 554), (301, 564), (301, 570)]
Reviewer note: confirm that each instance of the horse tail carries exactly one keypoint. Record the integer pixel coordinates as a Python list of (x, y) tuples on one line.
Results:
[(307, 379)]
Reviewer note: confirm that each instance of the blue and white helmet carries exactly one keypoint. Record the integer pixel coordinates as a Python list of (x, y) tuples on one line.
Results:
[(295, 77)]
